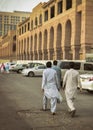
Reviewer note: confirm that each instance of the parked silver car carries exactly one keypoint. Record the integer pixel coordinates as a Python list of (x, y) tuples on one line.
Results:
[(35, 71)]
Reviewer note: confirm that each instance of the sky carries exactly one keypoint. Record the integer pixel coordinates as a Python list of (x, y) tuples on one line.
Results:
[(19, 5)]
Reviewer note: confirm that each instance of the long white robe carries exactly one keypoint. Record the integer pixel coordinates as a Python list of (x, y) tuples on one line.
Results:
[(71, 81), (50, 83)]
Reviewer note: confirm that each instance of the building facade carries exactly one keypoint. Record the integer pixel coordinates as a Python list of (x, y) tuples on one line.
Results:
[(9, 20), (8, 46), (57, 29)]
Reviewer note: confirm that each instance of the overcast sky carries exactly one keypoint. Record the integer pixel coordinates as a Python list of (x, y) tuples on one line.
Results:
[(19, 5)]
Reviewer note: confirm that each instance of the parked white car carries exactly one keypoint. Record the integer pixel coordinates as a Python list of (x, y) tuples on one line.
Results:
[(87, 81), (18, 68), (35, 71)]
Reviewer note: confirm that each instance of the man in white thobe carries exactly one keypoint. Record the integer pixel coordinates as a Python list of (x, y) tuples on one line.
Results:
[(71, 81), (49, 87)]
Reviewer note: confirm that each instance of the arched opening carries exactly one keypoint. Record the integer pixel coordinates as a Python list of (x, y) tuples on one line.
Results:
[(22, 50), (28, 48), (35, 47), (58, 43), (40, 46), (31, 49), (45, 45), (68, 40), (51, 43), (25, 49)]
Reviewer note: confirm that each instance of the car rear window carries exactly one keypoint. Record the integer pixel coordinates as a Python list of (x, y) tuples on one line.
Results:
[(65, 65), (88, 67), (31, 65)]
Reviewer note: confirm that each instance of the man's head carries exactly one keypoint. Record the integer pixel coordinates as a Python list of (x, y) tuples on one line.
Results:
[(55, 62), (71, 64), (48, 64)]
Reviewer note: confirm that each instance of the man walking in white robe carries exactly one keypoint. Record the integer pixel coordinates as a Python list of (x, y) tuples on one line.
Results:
[(49, 87), (70, 83)]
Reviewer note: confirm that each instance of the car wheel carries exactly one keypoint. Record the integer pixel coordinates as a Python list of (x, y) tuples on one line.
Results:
[(30, 74), (19, 71), (90, 91)]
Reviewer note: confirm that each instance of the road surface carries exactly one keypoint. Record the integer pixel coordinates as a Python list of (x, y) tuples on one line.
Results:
[(21, 103)]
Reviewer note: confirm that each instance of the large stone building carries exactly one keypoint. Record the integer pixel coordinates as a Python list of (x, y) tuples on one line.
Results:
[(8, 46), (57, 29), (9, 20)]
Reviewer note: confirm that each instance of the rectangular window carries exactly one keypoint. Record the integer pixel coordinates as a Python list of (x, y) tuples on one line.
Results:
[(68, 4), (28, 26), (46, 15), (66, 65), (52, 12), (60, 4)]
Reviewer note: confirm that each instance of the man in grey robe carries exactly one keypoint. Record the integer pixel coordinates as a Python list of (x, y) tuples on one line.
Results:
[(49, 87), (58, 70), (71, 81)]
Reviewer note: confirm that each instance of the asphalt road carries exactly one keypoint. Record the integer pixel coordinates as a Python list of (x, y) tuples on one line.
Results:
[(21, 103)]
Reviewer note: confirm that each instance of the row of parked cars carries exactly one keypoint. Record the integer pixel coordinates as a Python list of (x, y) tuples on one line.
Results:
[(36, 69)]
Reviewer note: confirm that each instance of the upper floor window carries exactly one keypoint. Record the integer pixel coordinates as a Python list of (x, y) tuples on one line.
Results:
[(40, 19), (46, 15), (68, 4), (36, 22), (22, 30), (60, 7), (25, 27), (32, 24), (28, 26), (52, 12), (14, 38)]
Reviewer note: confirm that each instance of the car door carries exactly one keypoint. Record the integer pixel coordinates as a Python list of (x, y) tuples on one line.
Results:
[(39, 70)]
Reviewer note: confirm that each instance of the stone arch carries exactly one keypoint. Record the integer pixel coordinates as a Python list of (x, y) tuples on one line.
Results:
[(59, 36), (40, 47), (68, 31), (28, 48), (22, 49), (58, 43), (19, 49), (35, 47), (31, 49), (51, 44), (45, 39), (40, 41), (45, 45)]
